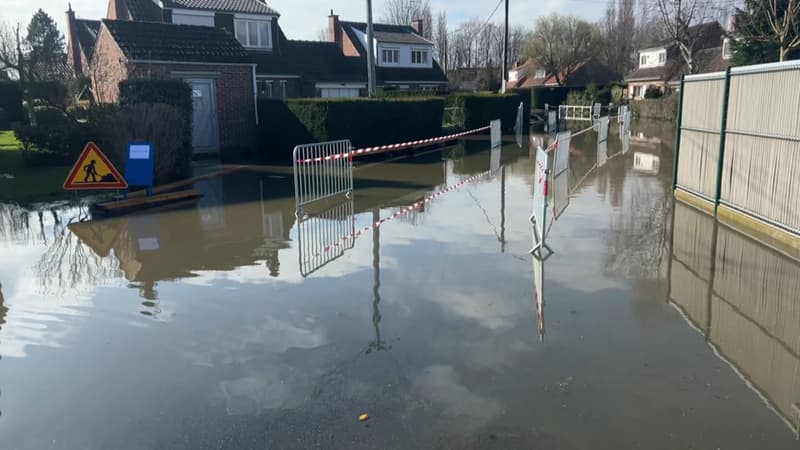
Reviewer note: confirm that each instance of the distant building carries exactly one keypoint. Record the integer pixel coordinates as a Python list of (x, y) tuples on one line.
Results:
[(533, 75), (661, 65), (403, 57)]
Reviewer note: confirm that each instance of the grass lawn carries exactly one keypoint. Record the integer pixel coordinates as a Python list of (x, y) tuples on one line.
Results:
[(30, 184)]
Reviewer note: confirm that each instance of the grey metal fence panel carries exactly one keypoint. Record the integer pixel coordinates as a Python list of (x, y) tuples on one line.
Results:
[(762, 148), (700, 133), (321, 171)]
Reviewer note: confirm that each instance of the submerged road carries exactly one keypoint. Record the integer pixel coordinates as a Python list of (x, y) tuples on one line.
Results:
[(229, 325)]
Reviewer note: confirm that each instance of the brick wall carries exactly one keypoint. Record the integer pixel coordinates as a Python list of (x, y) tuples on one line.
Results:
[(234, 85), (348, 47), (108, 68)]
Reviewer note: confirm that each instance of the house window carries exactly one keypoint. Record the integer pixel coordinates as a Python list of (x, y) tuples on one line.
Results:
[(253, 33), (419, 57), (727, 51), (540, 73), (662, 57), (389, 56), (643, 60)]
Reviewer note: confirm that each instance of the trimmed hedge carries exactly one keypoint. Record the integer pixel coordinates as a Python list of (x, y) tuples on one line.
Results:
[(177, 93), (665, 108), (479, 109), (365, 122), (11, 100)]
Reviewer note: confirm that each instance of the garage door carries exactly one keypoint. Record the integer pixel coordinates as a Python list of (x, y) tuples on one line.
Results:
[(339, 92)]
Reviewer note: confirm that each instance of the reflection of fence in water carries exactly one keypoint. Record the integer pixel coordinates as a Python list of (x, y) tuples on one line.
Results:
[(743, 298), (324, 236)]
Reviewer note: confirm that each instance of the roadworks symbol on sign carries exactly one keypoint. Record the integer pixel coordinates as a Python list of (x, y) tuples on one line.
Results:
[(93, 171)]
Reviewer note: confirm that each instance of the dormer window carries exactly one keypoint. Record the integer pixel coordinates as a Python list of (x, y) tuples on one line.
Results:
[(253, 33), (727, 50), (662, 57), (643, 60), (540, 73), (419, 57), (390, 56)]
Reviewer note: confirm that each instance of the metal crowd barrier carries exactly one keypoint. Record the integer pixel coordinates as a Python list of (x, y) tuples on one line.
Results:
[(332, 175)]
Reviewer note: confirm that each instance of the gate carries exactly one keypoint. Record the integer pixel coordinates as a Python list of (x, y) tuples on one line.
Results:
[(323, 170), (575, 112)]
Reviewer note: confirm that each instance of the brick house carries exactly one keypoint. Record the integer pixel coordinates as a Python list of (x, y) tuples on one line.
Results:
[(531, 75), (661, 65)]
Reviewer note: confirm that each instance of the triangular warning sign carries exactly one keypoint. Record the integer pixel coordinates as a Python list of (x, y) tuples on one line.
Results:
[(93, 171), (100, 236)]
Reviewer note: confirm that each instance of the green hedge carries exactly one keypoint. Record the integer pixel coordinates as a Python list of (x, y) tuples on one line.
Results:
[(665, 108), (365, 122), (11, 100), (479, 109), (174, 92)]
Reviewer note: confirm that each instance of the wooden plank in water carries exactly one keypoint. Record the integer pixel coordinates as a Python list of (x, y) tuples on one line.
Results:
[(119, 207)]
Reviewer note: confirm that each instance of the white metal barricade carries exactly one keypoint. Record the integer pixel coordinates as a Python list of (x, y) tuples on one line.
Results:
[(322, 170), (563, 141), (323, 237), (602, 132), (539, 216), (496, 133)]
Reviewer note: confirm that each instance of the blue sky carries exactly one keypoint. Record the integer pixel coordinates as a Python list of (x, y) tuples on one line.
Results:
[(302, 19)]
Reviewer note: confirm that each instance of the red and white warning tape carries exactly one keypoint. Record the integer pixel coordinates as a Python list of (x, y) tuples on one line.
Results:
[(402, 212), (381, 148)]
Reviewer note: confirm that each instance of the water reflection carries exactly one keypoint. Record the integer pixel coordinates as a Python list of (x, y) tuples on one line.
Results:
[(743, 297)]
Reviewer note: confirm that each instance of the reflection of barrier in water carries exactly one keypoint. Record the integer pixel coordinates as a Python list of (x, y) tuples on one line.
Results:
[(742, 296), (378, 344), (602, 153), (320, 236), (330, 176), (538, 289), (518, 126), (646, 163)]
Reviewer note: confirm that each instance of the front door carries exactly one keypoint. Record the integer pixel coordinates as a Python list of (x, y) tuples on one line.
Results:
[(205, 128)]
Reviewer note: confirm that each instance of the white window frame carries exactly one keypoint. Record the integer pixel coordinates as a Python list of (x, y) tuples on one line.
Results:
[(283, 89), (390, 51), (727, 50), (419, 57), (662, 57), (540, 73), (643, 60), (238, 23)]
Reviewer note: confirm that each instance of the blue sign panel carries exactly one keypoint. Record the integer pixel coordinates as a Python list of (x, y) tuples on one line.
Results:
[(140, 165)]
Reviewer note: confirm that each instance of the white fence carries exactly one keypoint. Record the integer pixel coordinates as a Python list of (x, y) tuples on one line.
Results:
[(575, 112)]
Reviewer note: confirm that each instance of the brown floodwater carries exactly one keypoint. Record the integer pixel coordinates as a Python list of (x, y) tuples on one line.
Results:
[(232, 324)]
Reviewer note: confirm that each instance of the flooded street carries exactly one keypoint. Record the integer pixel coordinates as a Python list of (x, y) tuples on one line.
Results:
[(230, 325)]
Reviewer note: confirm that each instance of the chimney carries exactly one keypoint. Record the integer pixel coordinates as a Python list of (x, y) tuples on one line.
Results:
[(334, 30), (73, 46), (417, 25)]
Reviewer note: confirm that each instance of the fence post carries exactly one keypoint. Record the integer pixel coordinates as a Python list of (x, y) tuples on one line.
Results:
[(724, 125), (679, 121)]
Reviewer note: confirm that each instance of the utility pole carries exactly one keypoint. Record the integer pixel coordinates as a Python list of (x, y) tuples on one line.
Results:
[(505, 53), (370, 52)]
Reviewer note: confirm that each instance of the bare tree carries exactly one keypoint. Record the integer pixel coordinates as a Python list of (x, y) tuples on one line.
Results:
[(620, 31), (404, 12), (562, 44), (681, 19), (11, 56), (772, 22), (440, 39)]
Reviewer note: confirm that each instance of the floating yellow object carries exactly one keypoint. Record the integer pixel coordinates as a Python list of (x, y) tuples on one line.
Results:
[(363, 417)]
